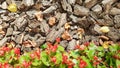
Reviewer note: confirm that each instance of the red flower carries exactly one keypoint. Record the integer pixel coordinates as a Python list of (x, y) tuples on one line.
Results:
[(95, 58), (0, 65), (32, 55), (49, 45), (118, 66), (70, 64), (17, 51), (53, 59), (82, 64), (58, 40), (77, 46), (26, 64), (37, 52), (86, 43), (6, 49), (64, 59), (6, 65), (18, 66), (95, 63), (54, 48), (80, 47), (2, 52)]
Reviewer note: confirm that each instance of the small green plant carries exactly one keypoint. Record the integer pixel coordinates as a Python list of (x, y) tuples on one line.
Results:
[(87, 55)]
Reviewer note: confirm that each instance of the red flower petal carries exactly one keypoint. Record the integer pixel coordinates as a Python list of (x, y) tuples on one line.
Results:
[(53, 59), (82, 64), (17, 51), (58, 40)]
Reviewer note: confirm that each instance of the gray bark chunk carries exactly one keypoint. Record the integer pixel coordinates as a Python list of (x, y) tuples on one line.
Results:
[(79, 2), (115, 11), (114, 36), (50, 9), (97, 9), (66, 6), (108, 20), (20, 22), (72, 2), (40, 41), (2, 11), (118, 5), (19, 38), (54, 34), (74, 18), (28, 2), (9, 31), (44, 27), (62, 20), (90, 3), (50, 35), (3, 41), (4, 5), (117, 21), (80, 10), (97, 28), (64, 43), (104, 2), (71, 44)]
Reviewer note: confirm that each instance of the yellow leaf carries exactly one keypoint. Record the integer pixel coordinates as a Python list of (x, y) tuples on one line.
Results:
[(104, 29), (105, 45), (12, 8)]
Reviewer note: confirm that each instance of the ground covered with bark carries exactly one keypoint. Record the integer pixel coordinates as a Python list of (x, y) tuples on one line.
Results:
[(30, 24)]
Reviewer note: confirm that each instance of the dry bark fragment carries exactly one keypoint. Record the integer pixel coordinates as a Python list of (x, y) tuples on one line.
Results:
[(71, 44), (90, 3), (52, 21), (66, 36), (67, 26), (81, 10), (9, 31), (66, 6), (39, 16), (104, 37), (115, 11), (19, 39), (50, 9), (62, 20)]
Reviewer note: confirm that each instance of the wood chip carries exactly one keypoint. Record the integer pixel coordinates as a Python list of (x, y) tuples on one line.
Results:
[(39, 16), (104, 37), (29, 43), (66, 36), (52, 21), (62, 20), (67, 26)]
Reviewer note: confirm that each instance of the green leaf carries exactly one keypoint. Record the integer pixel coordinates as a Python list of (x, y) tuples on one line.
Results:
[(44, 46), (87, 61), (62, 66), (74, 54), (117, 63), (45, 58), (58, 57), (76, 66), (100, 48), (36, 62), (92, 46), (60, 48), (90, 53), (101, 54)]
